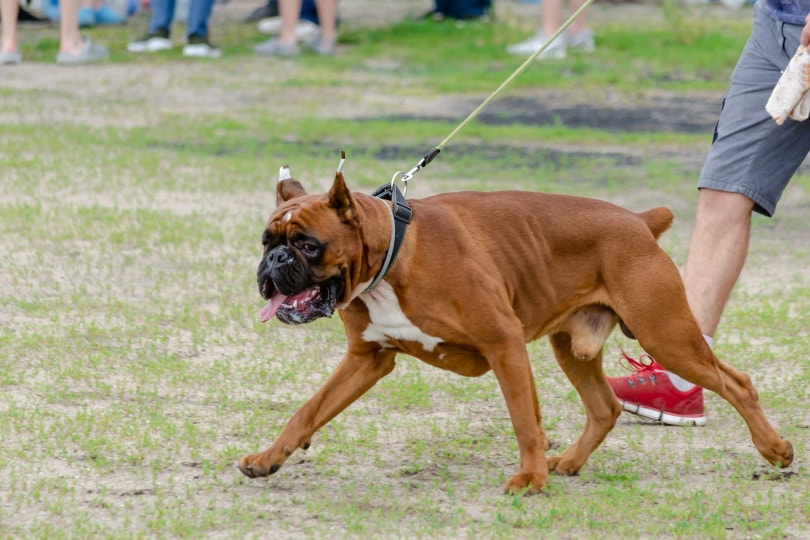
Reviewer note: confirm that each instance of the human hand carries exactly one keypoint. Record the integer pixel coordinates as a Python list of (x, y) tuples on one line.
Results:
[(805, 39)]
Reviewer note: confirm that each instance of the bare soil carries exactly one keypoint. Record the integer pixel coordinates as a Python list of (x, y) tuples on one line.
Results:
[(134, 95)]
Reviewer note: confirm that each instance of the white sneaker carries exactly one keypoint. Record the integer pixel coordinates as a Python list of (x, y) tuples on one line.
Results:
[(305, 30), (582, 41), (555, 49), (150, 43)]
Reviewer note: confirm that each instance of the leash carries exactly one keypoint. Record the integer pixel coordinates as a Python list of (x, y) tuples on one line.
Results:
[(430, 156), (401, 213)]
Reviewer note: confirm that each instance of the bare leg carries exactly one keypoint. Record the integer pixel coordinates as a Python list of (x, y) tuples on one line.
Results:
[(290, 11), (71, 39), (9, 10), (552, 17), (717, 254), (327, 17)]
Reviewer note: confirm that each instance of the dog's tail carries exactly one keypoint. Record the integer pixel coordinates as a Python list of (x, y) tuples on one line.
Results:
[(658, 219)]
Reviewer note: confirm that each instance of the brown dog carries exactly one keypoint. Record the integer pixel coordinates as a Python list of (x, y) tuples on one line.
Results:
[(479, 275)]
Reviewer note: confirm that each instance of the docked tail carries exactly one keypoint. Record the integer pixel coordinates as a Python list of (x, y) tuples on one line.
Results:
[(658, 219)]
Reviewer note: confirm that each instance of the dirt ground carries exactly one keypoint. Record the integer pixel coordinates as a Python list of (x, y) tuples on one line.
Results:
[(132, 95)]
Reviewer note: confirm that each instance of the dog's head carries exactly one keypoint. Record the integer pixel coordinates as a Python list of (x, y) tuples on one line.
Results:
[(312, 245)]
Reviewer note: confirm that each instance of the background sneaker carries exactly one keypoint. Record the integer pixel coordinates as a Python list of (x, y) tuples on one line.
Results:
[(322, 46), (10, 58), (200, 47), (555, 49), (581, 41), (272, 47), (91, 52), (305, 30), (151, 42), (650, 393)]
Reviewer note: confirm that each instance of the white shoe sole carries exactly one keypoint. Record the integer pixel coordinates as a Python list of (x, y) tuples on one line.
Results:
[(304, 31), (152, 45), (201, 51), (661, 416)]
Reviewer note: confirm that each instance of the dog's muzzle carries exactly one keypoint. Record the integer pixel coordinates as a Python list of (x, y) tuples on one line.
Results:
[(292, 298)]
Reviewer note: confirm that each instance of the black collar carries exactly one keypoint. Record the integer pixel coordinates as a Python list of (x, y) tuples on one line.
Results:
[(401, 215)]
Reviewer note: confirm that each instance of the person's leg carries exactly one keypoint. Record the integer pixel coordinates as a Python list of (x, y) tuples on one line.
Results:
[(71, 39), (551, 16), (309, 11), (287, 42), (717, 253), (578, 35), (162, 16), (327, 16), (74, 49), (750, 163), (580, 23), (290, 11), (9, 11), (158, 33), (198, 14)]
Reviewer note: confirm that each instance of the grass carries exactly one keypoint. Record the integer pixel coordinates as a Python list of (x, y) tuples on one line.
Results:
[(134, 373)]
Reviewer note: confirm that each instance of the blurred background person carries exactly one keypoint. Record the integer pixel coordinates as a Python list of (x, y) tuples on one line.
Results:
[(286, 44), (73, 47), (578, 36), (158, 34)]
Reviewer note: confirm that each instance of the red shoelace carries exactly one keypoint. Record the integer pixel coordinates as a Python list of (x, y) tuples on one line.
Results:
[(644, 363)]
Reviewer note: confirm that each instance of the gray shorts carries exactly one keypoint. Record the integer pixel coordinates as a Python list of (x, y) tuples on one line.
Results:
[(750, 154)]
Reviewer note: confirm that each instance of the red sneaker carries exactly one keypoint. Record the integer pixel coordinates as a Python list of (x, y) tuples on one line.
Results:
[(650, 393)]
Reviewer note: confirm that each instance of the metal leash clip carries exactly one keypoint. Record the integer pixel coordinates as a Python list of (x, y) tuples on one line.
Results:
[(430, 156), (403, 178)]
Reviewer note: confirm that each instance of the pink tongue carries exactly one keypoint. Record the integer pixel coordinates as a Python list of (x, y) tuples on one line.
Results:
[(269, 311)]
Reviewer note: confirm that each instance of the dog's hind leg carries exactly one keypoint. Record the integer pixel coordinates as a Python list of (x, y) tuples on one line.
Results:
[(601, 406), (693, 360), (658, 314)]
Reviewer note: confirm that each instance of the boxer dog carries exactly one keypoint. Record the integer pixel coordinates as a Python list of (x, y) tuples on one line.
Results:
[(478, 276)]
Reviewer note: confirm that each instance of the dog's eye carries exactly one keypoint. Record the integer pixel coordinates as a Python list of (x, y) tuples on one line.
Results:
[(266, 238), (307, 247)]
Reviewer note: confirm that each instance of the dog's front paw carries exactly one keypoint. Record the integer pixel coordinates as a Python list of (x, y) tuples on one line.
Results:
[(258, 465), (530, 483)]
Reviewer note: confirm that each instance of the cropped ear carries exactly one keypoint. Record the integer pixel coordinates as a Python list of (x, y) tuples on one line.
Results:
[(287, 187), (341, 200)]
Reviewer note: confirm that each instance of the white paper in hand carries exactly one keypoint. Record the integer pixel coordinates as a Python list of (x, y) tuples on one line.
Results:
[(791, 96)]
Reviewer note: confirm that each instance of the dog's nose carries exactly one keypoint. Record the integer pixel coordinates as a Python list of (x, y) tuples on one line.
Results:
[(277, 257)]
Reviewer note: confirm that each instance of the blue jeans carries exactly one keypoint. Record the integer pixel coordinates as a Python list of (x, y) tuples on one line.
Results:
[(198, 14)]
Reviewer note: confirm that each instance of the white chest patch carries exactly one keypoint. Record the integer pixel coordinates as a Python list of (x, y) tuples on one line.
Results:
[(388, 321)]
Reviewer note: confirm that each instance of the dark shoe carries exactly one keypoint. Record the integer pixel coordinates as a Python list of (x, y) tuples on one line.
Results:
[(270, 9), (200, 47)]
